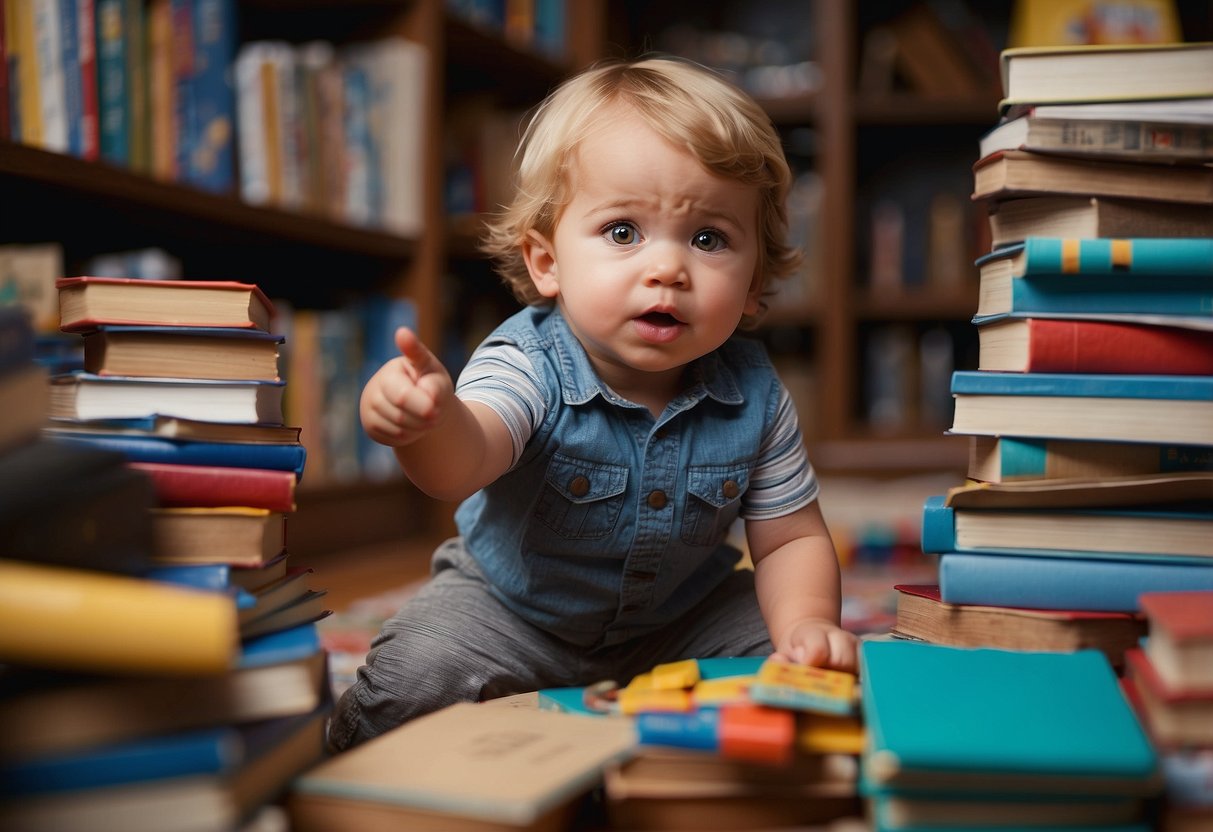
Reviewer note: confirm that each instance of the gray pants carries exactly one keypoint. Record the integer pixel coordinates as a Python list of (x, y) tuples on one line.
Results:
[(455, 642)]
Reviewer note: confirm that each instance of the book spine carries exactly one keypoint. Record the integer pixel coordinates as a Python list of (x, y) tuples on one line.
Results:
[(90, 139), (1025, 458), (48, 46), (938, 526), (212, 486), (1080, 385), (210, 128), (6, 56), (1062, 346), (69, 68), (250, 113), (134, 21), (1060, 583), (111, 44), (181, 14), (1101, 256), (83, 620)]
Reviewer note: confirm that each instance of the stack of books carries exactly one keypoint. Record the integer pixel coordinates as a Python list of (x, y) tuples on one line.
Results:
[(1091, 413), (1170, 682), (978, 738), (130, 683)]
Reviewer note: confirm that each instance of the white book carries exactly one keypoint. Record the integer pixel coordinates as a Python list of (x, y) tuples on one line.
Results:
[(87, 396), (52, 90)]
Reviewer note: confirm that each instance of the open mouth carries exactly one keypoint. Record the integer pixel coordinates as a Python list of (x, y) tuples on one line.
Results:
[(659, 319)]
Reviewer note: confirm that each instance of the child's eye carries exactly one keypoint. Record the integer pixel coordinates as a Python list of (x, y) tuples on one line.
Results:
[(708, 240), (623, 233)]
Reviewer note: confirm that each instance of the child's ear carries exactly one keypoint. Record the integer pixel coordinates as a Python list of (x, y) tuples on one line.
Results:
[(753, 297), (540, 258)]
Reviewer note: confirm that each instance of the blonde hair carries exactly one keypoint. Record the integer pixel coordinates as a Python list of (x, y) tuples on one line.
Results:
[(687, 104)]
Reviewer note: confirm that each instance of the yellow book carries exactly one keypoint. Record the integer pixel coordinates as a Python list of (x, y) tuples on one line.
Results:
[(23, 53), (76, 619)]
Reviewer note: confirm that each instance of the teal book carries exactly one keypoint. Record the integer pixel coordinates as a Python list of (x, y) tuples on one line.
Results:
[(982, 721), (1133, 532), (226, 454), (1098, 277), (1066, 583), (1011, 458), (1087, 406), (112, 98)]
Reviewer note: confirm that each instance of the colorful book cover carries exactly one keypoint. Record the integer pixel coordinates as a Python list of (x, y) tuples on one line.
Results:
[(984, 720), (1055, 345), (112, 98), (227, 454), (1053, 583), (208, 131), (1084, 385)]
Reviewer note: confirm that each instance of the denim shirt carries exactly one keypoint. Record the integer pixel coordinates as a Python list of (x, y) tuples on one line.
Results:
[(612, 524)]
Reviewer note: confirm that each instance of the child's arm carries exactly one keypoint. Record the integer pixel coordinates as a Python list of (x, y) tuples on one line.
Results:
[(798, 585), (448, 448)]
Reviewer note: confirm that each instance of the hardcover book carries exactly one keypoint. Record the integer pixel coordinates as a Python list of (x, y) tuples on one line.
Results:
[(185, 352), (1174, 717), (1061, 583), (1081, 216), (235, 535), (225, 454), (1011, 458), (1106, 407), (1132, 532), (184, 486), (45, 713), (1013, 173), (88, 302), (467, 763), (1180, 646), (1043, 74), (1027, 723), (1136, 140), (1055, 345), (88, 396), (170, 427), (923, 614), (1057, 277)]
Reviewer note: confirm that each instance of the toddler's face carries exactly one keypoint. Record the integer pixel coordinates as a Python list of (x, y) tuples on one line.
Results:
[(653, 261)]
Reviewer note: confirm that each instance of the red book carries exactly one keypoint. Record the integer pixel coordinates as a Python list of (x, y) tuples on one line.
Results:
[(90, 126), (214, 486), (1174, 717), (1180, 646), (1048, 345)]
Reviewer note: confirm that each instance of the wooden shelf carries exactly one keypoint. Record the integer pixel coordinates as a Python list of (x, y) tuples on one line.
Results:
[(891, 455), (909, 305)]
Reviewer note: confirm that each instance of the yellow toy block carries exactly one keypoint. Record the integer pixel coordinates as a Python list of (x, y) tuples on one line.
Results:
[(727, 691), (797, 686), (675, 675), (641, 681), (822, 734), (640, 700)]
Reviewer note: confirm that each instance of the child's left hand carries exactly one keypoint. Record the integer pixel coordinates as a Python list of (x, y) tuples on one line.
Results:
[(819, 643)]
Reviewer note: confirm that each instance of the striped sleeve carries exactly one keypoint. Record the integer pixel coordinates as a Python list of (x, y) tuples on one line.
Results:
[(502, 377), (783, 479)]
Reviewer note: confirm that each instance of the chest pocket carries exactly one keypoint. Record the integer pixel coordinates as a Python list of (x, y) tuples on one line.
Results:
[(581, 499), (713, 502)]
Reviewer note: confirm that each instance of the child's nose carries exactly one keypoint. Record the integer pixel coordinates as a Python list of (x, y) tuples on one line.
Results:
[(665, 266)]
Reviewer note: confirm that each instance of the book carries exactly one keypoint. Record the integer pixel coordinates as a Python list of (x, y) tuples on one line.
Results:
[(1049, 276), (171, 427), (234, 535), (502, 767), (922, 614), (86, 302), (206, 129), (1106, 407), (674, 789), (187, 352), (185, 452), (215, 486), (1190, 488), (311, 607), (280, 592), (1008, 173), (1061, 725), (1105, 72), (86, 396), (77, 507), (920, 813), (1174, 717), (1135, 140), (257, 765), (1132, 532), (1010, 458), (1057, 345), (80, 619), (217, 576), (1180, 646), (1196, 111), (47, 712), (1061, 583), (1014, 220)]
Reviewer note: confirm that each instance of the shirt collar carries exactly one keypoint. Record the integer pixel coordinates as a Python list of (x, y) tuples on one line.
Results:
[(710, 375)]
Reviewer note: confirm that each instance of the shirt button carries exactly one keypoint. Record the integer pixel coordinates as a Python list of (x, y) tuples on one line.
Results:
[(730, 489), (579, 486), (657, 499)]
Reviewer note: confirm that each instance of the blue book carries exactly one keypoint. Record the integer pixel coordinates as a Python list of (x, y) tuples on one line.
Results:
[(216, 576), (73, 90), (990, 722), (228, 454), (1136, 533), (1097, 278), (208, 129), (112, 104), (1104, 407), (1050, 583), (215, 753)]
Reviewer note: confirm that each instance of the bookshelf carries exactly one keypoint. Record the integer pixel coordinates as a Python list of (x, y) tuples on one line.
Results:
[(296, 254)]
